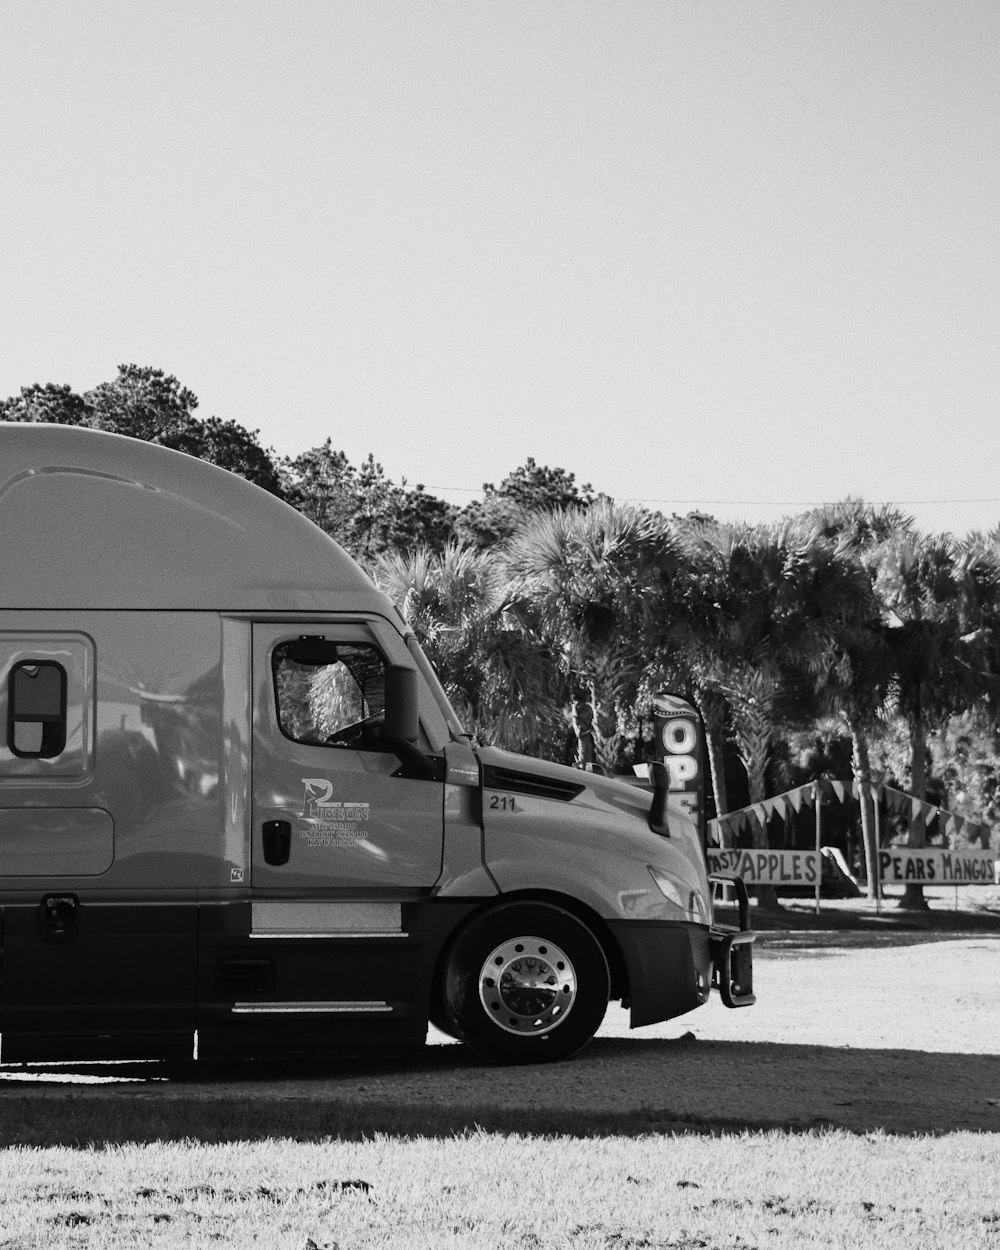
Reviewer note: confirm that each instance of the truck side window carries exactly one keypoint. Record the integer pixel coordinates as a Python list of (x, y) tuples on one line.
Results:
[(36, 709), (333, 697)]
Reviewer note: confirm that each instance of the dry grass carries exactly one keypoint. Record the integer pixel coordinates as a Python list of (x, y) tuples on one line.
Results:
[(489, 1190)]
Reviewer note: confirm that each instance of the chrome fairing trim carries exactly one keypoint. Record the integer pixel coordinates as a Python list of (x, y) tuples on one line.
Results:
[(300, 1008)]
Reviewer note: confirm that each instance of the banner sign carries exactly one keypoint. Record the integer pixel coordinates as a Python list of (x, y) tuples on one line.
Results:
[(678, 745), (896, 802), (760, 867), (935, 866)]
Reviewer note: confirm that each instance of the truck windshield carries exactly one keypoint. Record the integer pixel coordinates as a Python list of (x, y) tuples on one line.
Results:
[(434, 684)]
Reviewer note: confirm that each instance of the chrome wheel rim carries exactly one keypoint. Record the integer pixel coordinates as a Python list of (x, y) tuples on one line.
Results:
[(527, 986)]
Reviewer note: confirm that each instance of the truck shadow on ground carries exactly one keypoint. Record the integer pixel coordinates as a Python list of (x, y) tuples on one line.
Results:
[(616, 1086)]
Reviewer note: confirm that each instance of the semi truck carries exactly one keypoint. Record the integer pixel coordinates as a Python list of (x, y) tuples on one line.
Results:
[(239, 817)]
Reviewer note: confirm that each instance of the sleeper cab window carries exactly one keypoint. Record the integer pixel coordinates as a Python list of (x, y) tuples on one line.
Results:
[(330, 694), (36, 709)]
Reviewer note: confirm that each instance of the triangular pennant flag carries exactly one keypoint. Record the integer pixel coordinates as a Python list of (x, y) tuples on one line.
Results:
[(759, 811), (838, 789), (896, 801), (795, 799)]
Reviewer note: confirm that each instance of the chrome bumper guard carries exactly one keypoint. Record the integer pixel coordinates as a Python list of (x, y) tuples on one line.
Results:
[(732, 948)]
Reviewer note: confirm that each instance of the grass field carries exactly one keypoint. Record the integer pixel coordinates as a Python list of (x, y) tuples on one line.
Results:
[(490, 1190), (141, 1169)]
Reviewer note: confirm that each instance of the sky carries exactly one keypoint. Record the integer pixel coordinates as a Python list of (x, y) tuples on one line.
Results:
[(734, 255)]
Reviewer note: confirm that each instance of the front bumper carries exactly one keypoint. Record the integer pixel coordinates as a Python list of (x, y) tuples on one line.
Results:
[(732, 949), (670, 968), (667, 967)]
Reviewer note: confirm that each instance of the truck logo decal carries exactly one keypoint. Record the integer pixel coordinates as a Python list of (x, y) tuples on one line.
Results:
[(327, 821)]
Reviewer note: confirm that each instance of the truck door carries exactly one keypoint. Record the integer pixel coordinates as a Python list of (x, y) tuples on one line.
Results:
[(333, 807), (346, 844)]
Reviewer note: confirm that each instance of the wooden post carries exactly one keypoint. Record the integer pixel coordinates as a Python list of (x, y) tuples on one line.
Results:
[(819, 842), (877, 805)]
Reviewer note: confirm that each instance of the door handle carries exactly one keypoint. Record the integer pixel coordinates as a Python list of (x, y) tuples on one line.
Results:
[(277, 841), (58, 917)]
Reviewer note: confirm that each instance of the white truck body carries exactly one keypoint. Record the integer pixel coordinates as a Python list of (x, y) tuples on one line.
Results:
[(238, 816)]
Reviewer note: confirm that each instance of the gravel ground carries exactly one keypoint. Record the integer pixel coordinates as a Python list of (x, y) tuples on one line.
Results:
[(933, 996)]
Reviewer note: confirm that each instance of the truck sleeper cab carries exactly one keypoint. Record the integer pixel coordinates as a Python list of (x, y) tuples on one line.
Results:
[(238, 816)]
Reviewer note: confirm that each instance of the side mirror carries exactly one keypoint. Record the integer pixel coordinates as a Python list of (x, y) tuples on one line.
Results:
[(402, 721), (659, 778)]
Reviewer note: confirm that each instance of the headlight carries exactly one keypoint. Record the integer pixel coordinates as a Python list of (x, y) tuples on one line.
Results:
[(690, 902)]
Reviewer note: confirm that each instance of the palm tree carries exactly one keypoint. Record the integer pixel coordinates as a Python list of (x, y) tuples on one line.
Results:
[(941, 599), (765, 610), (857, 691), (482, 640), (594, 574), (861, 531)]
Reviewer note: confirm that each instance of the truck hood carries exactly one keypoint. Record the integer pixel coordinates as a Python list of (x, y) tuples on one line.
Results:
[(558, 811), (520, 774)]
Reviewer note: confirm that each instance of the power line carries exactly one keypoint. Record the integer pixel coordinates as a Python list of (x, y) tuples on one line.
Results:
[(810, 503), (756, 503)]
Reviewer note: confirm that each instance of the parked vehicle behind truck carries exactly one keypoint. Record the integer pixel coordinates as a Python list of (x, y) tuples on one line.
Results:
[(238, 816)]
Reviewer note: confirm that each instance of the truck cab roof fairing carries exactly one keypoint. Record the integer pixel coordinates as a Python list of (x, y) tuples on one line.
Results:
[(97, 520)]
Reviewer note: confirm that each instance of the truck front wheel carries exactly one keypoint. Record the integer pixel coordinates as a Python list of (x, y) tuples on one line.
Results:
[(526, 983)]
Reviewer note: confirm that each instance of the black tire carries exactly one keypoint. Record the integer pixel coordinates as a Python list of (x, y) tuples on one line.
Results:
[(526, 983)]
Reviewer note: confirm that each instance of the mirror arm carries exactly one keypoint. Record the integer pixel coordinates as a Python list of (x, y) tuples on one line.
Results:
[(414, 761)]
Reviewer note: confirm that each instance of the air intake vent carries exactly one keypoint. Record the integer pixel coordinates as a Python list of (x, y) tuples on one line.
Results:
[(530, 783)]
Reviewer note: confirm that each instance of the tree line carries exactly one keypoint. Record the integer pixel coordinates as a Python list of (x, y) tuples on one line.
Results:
[(839, 641), (359, 505)]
